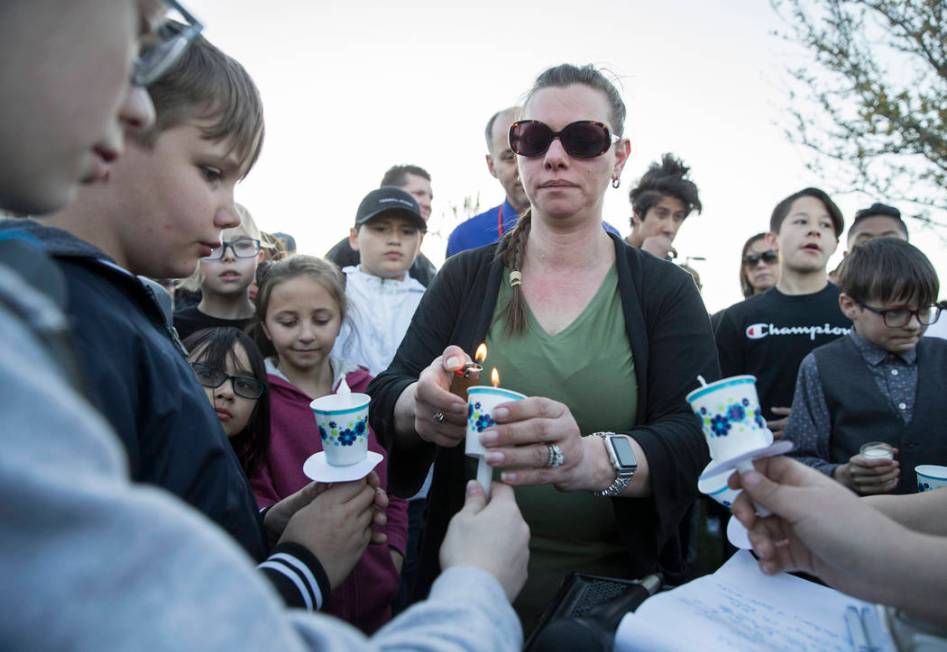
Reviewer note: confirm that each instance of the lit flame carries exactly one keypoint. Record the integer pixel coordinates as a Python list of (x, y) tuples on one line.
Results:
[(495, 377), (481, 353)]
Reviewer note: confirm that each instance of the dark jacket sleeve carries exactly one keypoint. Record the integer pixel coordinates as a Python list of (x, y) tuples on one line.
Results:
[(342, 254), (729, 345), (680, 346), (423, 270), (432, 329)]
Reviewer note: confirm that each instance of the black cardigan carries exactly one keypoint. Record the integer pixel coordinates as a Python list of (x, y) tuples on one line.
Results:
[(672, 342)]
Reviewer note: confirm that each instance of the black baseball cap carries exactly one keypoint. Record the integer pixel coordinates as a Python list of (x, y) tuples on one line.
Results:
[(879, 210), (389, 200)]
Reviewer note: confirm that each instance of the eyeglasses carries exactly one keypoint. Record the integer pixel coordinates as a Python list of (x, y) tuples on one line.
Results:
[(582, 139), (899, 317), (166, 46), (769, 256), (245, 248), (245, 386)]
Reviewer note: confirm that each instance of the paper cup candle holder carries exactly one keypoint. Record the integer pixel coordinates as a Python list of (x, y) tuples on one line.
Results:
[(730, 416), (736, 433), (481, 402), (930, 477), (342, 424)]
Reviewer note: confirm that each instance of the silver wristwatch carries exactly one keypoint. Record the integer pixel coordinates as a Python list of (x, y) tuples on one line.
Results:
[(623, 459)]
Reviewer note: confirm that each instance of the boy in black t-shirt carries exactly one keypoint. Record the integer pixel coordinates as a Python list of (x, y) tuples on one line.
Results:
[(769, 334)]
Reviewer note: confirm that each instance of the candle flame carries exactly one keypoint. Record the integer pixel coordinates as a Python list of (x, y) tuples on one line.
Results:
[(481, 353), (495, 377)]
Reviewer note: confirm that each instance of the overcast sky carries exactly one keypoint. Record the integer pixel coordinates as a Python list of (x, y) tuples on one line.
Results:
[(351, 88)]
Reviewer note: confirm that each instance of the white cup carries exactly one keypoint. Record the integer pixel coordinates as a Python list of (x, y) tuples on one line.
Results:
[(716, 487), (930, 477), (481, 401), (730, 416), (876, 450), (342, 422)]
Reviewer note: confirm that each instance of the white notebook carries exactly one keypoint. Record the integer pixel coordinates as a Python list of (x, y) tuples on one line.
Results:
[(739, 609)]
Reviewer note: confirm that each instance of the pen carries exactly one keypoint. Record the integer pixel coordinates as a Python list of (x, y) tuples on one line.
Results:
[(856, 630), (872, 633)]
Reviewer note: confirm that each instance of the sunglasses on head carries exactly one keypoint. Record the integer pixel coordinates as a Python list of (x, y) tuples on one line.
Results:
[(582, 139), (768, 256), (245, 386)]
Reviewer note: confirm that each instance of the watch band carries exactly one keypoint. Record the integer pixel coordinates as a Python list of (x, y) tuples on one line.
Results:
[(624, 473)]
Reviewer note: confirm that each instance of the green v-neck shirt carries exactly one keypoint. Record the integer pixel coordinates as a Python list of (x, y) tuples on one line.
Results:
[(589, 367)]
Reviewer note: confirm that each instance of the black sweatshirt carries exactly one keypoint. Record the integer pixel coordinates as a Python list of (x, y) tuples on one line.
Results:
[(671, 340), (769, 334)]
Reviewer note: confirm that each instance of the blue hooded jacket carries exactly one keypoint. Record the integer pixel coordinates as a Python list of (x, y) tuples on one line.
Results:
[(136, 373)]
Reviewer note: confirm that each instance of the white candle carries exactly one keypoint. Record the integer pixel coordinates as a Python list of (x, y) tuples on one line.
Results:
[(344, 392)]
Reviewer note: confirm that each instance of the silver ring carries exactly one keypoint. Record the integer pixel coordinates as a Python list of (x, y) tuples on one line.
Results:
[(556, 457), (439, 417)]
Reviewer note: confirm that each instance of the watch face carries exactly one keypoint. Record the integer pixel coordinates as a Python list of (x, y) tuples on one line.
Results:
[(624, 451)]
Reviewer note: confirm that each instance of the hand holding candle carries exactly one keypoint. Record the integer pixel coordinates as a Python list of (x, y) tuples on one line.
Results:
[(537, 441)]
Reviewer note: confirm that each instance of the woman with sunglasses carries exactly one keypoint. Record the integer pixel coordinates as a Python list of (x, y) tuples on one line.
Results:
[(758, 266), (606, 342)]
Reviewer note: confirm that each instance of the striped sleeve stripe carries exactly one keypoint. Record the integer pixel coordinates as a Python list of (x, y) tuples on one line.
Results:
[(298, 576), (290, 574)]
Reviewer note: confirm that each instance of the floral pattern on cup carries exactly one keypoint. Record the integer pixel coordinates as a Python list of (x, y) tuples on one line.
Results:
[(345, 434), (931, 477), (716, 487), (727, 416), (481, 401), (477, 418)]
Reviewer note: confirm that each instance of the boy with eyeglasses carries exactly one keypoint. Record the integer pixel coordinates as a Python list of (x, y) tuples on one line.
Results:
[(883, 382), (225, 278)]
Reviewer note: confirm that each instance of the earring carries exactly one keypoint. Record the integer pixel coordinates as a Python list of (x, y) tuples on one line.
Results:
[(616, 182)]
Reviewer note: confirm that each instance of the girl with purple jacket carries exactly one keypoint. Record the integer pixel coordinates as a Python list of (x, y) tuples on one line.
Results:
[(300, 310)]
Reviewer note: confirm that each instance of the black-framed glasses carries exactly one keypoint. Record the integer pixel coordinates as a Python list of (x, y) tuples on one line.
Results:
[(245, 386), (582, 139), (769, 257), (900, 317), (166, 45), (243, 248)]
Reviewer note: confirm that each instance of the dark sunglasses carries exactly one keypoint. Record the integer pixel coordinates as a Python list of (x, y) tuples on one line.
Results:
[(768, 256), (582, 139), (245, 386)]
